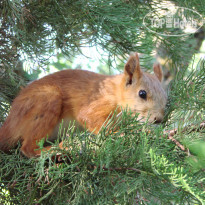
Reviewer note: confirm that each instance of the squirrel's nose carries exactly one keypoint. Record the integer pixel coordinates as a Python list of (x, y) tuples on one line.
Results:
[(157, 121)]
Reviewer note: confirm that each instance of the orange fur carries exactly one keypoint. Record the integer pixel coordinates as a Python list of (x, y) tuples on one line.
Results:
[(83, 96)]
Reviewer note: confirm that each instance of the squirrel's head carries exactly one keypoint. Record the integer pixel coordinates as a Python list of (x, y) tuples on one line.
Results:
[(143, 92)]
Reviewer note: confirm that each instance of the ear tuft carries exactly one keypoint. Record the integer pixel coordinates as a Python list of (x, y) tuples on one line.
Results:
[(132, 68), (158, 71)]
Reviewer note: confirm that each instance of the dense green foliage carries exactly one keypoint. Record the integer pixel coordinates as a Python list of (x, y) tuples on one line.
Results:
[(137, 164), (128, 166)]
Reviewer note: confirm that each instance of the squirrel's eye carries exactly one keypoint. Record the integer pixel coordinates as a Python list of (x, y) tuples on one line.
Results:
[(143, 94)]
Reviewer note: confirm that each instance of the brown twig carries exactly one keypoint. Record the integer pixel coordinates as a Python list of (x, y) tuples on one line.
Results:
[(173, 132)]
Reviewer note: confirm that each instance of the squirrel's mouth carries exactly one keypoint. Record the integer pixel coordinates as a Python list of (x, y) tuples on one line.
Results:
[(150, 119)]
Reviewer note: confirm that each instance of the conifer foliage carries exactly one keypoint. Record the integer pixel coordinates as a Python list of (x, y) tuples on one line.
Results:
[(135, 164)]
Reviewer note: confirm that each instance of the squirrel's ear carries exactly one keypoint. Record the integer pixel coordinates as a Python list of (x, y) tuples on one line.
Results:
[(158, 71), (132, 68)]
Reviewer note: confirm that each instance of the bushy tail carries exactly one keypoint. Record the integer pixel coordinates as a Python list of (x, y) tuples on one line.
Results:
[(7, 141)]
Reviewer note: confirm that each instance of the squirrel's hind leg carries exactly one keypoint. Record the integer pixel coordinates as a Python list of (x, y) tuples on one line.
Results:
[(40, 121)]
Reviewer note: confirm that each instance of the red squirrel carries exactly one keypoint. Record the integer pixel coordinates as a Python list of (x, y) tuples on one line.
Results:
[(83, 96)]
